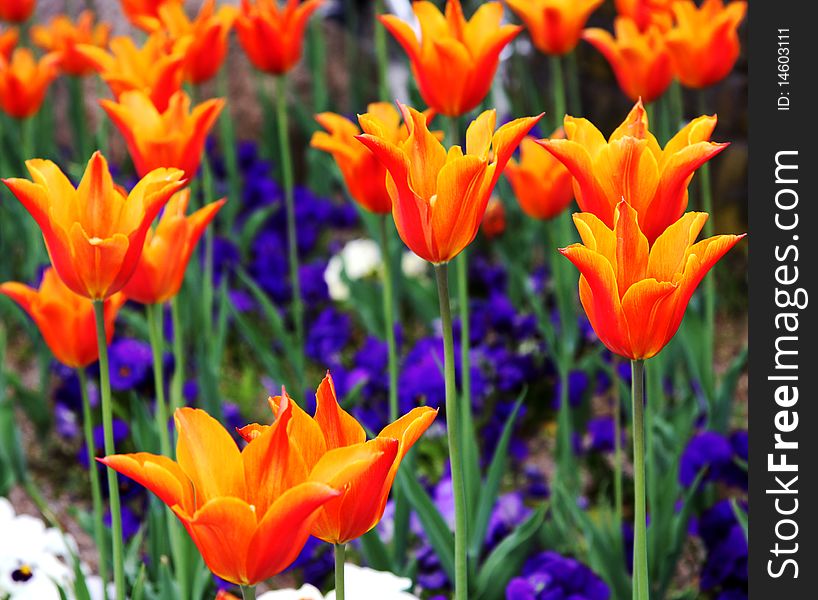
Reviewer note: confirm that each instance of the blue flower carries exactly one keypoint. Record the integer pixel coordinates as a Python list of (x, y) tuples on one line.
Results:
[(327, 335), (707, 450), (725, 566), (551, 576), (130, 363), (508, 513), (578, 385), (602, 431)]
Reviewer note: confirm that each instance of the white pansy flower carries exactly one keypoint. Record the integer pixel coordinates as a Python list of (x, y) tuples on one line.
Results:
[(412, 265), (358, 259), (34, 560), (360, 583)]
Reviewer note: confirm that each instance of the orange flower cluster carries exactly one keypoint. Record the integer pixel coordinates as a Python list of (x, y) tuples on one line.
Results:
[(65, 319), (455, 60), (250, 512), (62, 36), (272, 37), (203, 40), (555, 26), (632, 165), (439, 197), (657, 40), (16, 11), (635, 293), (24, 81), (94, 233), (173, 137), (541, 183)]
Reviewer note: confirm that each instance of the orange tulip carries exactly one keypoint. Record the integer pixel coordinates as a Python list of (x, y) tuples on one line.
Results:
[(174, 137), (271, 36), (140, 12), (494, 219), (24, 81), (646, 13), (362, 501), (555, 26), (150, 69), (704, 45), (363, 173), (65, 319), (204, 38), (635, 294), (168, 248), (62, 36), (8, 40), (541, 183), (640, 61), (455, 60), (438, 198), (249, 512), (632, 165), (94, 234), (16, 11)]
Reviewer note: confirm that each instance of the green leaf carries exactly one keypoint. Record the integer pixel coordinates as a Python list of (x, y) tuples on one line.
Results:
[(507, 558), (138, 591), (742, 518), (440, 536), (375, 552), (491, 486)]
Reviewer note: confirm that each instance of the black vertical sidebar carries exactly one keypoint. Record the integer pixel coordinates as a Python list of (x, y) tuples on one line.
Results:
[(783, 205)]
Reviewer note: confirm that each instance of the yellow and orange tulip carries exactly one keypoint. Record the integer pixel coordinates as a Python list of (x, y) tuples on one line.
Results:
[(363, 173), (272, 37), (144, 12), (16, 11), (647, 13), (174, 137), (632, 165), (455, 60), (151, 69), (65, 319), (555, 26), (439, 197), (8, 40), (24, 81), (94, 234), (62, 36), (167, 251), (635, 293), (249, 512), (640, 61), (542, 185), (204, 38), (362, 501), (704, 44)]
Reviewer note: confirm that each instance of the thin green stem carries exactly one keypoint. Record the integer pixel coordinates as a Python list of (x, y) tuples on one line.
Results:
[(381, 53), (640, 548), (389, 318), (110, 449), (461, 583), (248, 592), (617, 452), (292, 239), (93, 472), (227, 137), (558, 89), (340, 559), (178, 379), (154, 314)]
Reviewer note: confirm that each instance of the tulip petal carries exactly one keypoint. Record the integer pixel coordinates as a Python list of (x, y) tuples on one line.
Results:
[(631, 248), (644, 307), (159, 474), (208, 456), (284, 529), (338, 426), (669, 252)]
